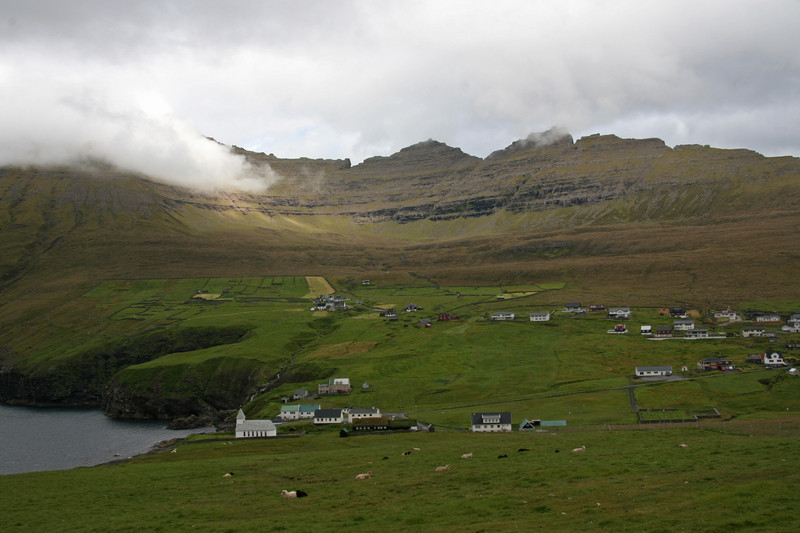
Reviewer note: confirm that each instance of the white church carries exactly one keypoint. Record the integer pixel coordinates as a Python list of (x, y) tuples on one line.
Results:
[(254, 428)]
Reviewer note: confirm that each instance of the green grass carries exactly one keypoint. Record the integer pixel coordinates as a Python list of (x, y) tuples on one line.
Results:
[(624, 481)]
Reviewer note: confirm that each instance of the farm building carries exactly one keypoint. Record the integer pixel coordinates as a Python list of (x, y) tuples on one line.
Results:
[(490, 422), (619, 329), (335, 386), (253, 428), (542, 316), (299, 394), (424, 322), (715, 363), (649, 371), (663, 332), (528, 425)]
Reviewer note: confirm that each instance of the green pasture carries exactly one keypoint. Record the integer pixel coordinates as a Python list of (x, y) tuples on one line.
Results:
[(568, 368), (626, 480)]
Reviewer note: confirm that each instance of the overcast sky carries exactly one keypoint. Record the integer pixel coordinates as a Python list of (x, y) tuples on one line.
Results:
[(140, 82)]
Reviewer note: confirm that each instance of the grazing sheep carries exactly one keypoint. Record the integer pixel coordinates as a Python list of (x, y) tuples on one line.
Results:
[(581, 449), (467, 456), (683, 445), (415, 449), (406, 453), (384, 458), (502, 456), (364, 476), (229, 474), (293, 494), (524, 450), (442, 468)]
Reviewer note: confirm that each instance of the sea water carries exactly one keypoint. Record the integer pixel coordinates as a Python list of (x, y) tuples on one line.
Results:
[(34, 439)]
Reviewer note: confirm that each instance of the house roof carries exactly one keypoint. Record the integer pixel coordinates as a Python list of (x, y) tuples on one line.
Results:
[(478, 418), (255, 425), (654, 369), (328, 413), (364, 411)]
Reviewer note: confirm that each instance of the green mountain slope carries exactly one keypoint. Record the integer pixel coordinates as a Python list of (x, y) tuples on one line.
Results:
[(612, 218)]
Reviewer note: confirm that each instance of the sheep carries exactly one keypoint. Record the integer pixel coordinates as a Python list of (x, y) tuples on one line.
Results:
[(415, 449), (293, 494), (581, 449), (442, 468), (229, 474), (364, 476), (683, 445), (467, 456), (502, 456), (406, 453), (524, 450)]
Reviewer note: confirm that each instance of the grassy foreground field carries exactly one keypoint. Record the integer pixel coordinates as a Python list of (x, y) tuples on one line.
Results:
[(731, 476)]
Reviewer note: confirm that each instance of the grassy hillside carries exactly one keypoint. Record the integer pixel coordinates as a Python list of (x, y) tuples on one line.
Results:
[(732, 477)]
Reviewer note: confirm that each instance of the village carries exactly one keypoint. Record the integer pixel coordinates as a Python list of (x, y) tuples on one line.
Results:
[(725, 323), (758, 325)]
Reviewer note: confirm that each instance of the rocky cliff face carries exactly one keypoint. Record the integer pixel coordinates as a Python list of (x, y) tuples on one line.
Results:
[(431, 180)]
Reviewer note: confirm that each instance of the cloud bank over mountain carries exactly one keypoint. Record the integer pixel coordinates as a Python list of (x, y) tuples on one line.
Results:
[(141, 83)]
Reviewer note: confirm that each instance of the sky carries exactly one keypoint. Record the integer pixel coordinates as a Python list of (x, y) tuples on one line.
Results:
[(141, 84)]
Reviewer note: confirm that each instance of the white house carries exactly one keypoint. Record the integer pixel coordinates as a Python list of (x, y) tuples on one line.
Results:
[(502, 315), (683, 325), (697, 333), (768, 317), (543, 316), (646, 330), (572, 307), (297, 412), (753, 331), (490, 422), (358, 413), (769, 358), (728, 313), (330, 416), (254, 428), (647, 371), (619, 312)]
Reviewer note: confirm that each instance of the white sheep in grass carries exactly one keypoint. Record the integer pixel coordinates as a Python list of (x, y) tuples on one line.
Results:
[(467, 456), (289, 494), (442, 468), (364, 476), (581, 449)]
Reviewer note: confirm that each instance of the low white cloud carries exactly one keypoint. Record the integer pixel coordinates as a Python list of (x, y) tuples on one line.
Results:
[(58, 117), (354, 79)]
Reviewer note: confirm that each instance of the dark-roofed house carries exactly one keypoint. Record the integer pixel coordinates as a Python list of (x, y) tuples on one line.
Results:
[(683, 325), (650, 371), (753, 331), (329, 416), (572, 307), (490, 422), (356, 413)]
